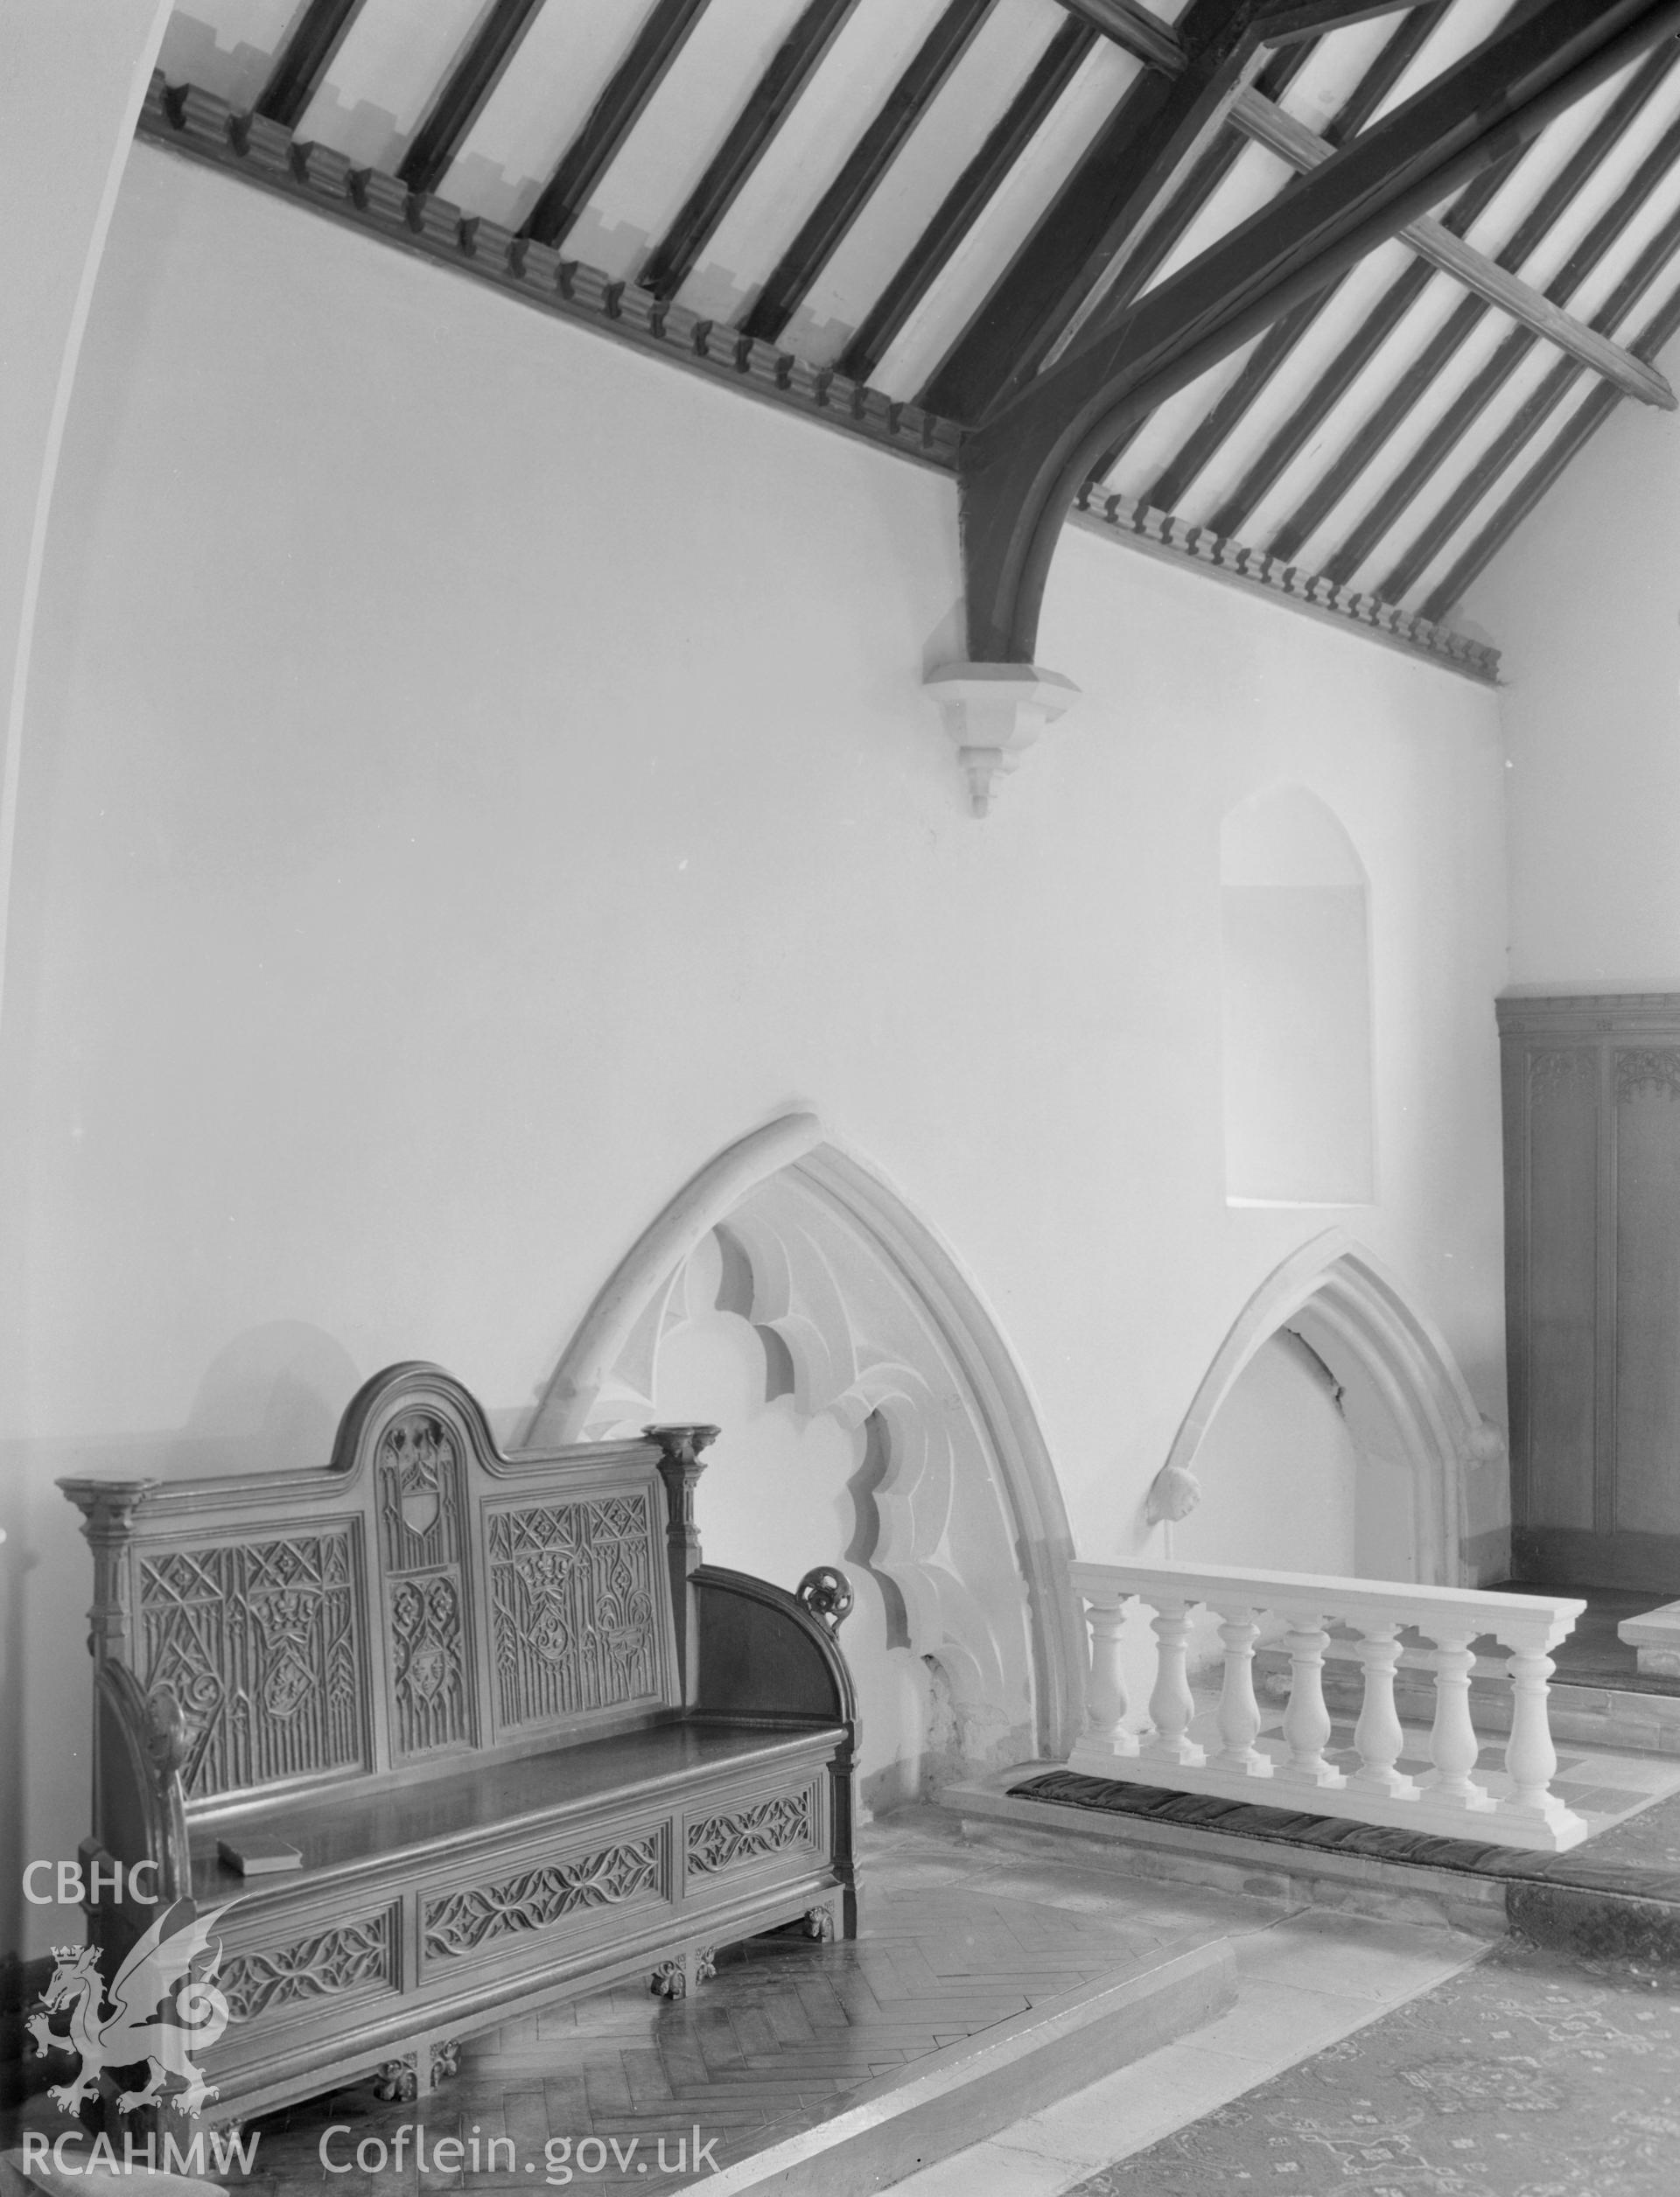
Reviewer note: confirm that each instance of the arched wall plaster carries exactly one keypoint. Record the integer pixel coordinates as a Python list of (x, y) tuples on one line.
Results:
[(83, 66), (1356, 1304), (783, 1190)]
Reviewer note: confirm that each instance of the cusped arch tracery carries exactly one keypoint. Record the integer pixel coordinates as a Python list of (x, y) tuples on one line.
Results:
[(879, 1324)]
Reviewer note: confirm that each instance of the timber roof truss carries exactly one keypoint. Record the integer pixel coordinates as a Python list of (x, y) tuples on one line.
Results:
[(1326, 295)]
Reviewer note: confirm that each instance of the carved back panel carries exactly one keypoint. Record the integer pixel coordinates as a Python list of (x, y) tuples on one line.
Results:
[(422, 1557), (573, 1605), (423, 1597), (263, 1644)]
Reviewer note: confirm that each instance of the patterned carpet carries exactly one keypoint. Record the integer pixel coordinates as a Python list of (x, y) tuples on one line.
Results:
[(1529, 2075)]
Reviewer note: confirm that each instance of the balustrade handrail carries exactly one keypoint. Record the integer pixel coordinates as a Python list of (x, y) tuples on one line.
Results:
[(1444, 1798), (1541, 1619)]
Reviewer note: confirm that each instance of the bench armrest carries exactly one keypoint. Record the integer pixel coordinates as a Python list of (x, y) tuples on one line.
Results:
[(140, 1742), (762, 1653)]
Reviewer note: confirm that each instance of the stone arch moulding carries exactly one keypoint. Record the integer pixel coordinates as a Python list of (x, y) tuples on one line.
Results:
[(1352, 1298), (878, 1317)]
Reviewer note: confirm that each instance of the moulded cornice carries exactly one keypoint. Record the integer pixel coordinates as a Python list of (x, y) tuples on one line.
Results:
[(1626, 1014), (191, 121)]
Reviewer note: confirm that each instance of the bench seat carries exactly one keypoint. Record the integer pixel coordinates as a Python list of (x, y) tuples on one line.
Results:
[(524, 1742)]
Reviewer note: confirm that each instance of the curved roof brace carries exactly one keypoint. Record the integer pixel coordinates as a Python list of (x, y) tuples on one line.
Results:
[(1021, 469)]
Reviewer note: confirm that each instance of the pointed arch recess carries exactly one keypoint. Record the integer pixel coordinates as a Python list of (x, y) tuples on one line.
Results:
[(1352, 1298), (790, 1162)]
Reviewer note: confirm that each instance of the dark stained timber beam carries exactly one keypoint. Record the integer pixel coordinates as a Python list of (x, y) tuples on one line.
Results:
[(1652, 261), (304, 59), (1200, 447), (1601, 144), (675, 257), (1142, 35), (462, 100), (1267, 124), (1543, 475), (968, 199), (614, 114), (849, 192), (1095, 214), (1021, 471)]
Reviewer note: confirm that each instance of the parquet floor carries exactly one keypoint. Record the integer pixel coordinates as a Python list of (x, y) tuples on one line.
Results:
[(617, 2088)]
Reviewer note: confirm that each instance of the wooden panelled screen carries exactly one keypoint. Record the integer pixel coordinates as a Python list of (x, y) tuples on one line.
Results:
[(1593, 1287)]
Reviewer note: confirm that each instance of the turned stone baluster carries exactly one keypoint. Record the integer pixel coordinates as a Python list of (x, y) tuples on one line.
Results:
[(1104, 1740), (1306, 1721), (1239, 1712), (1530, 1757), (1453, 1746), (1377, 1735), (1172, 1704)]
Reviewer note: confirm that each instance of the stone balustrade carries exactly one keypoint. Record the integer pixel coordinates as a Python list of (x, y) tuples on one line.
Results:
[(1445, 1800)]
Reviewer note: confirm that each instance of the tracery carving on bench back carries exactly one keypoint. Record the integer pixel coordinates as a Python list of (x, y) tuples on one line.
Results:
[(260, 1643), (431, 1606)]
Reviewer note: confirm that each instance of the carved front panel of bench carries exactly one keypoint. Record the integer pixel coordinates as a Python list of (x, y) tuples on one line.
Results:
[(622, 1873)]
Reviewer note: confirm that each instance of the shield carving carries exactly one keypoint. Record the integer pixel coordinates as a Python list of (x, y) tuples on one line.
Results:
[(420, 1504)]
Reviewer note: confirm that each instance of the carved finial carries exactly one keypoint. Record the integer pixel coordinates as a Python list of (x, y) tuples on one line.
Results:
[(826, 1592), (683, 1445), (1173, 1494)]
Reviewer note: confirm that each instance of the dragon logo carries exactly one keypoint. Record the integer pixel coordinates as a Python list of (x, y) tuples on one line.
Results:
[(159, 1967)]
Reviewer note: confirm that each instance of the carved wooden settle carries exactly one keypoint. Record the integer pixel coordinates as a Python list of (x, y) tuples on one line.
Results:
[(525, 1740)]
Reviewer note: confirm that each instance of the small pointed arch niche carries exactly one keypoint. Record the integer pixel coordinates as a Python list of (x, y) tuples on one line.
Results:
[(1295, 965)]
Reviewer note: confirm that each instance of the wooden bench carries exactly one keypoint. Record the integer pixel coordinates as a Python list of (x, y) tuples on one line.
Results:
[(525, 1743)]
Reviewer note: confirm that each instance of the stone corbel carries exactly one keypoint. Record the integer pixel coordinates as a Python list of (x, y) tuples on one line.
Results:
[(993, 713)]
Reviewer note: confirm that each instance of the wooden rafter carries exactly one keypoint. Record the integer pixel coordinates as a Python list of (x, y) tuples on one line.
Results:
[(458, 105), (1658, 332), (1020, 471), (1094, 215), (795, 61), (614, 114), (1155, 129), (1267, 124), (1163, 235), (1484, 387), (1375, 432), (968, 199), (1280, 341), (1553, 204), (304, 59), (870, 158)]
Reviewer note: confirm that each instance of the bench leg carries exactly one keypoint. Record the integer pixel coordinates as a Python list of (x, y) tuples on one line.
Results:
[(684, 1973), (398, 2079)]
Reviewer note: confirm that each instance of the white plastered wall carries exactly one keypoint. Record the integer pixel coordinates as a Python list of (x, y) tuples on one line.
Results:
[(476, 773), (1585, 600)]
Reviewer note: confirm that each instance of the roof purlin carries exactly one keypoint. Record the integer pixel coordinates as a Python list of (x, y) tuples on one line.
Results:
[(1199, 448), (1551, 204), (1019, 471), (1658, 331), (1470, 313), (1645, 270)]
